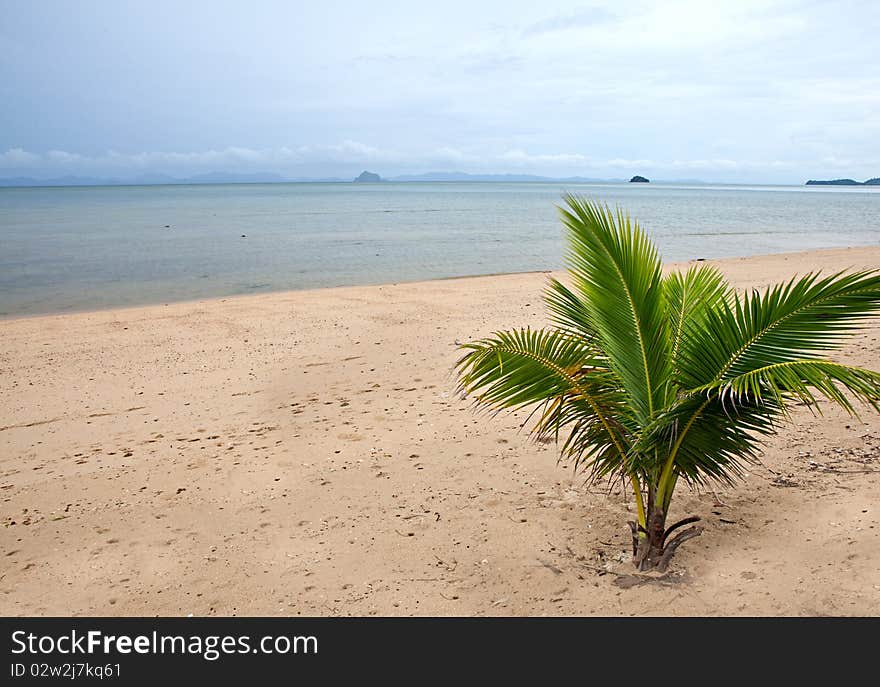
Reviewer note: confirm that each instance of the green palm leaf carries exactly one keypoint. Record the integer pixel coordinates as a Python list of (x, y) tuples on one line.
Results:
[(798, 379), (690, 297), (706, 438), (567, 310), (525, 367), (797, 320), (616, 272)]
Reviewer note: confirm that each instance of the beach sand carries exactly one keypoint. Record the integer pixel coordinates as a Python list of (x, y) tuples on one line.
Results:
[(305, 453)]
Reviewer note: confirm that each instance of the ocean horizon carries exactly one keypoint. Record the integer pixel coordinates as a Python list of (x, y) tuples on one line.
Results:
[(75, 248)]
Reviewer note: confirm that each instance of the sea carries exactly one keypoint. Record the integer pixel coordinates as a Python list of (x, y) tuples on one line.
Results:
[(66, 249)]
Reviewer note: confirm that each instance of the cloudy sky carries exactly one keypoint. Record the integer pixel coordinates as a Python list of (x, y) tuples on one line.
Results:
[(729, 91)]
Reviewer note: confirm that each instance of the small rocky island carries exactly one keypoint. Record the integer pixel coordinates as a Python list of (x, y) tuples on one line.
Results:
[(843, 182), (368, 177), (639, 180)]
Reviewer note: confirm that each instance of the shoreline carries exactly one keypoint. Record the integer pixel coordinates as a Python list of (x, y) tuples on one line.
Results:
[(289, 292), (305, 452)]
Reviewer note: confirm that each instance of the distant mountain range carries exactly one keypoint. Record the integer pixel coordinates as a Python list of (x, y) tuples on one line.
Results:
[(271, 178), (163, 179), (843, 182), (498, 178)]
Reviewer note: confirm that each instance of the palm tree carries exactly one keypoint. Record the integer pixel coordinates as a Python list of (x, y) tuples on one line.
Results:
[(654, 379)]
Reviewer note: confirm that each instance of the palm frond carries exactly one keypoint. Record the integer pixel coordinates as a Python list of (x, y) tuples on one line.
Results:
[(616, 273), (690, 296), (709, 439), (708, 433), (567, 310), (799, 379), (798, 320), (586, 434), (554, 371)]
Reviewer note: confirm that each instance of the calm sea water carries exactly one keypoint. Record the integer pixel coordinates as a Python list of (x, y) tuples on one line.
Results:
[(64, 249)]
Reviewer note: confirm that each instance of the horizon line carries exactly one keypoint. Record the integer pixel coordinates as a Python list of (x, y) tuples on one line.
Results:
[(248, 178)]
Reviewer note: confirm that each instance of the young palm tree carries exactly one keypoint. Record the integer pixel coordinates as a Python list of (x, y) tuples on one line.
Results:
[(654, 380)]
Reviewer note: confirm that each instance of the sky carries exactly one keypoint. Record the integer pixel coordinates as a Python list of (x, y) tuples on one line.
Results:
[(745, 91)]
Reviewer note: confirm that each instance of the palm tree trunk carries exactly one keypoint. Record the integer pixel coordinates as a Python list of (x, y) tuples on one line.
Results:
[(652, 548)]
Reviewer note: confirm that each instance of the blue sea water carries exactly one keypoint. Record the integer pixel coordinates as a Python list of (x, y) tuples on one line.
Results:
[(82, 248)]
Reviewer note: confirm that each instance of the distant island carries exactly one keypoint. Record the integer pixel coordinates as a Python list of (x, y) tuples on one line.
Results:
[(638, 180), (843, 182), (368, 177)]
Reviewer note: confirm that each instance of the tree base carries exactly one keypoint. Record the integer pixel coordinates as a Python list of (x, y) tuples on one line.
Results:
[(652, 548)]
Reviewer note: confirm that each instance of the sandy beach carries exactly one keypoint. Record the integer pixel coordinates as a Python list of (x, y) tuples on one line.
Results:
[(306, 453)]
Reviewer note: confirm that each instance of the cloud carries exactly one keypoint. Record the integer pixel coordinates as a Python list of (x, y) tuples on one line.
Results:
[(16, 158), (233, 157), (524, 159), (341, 158), (587, 17), (62, 157)]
